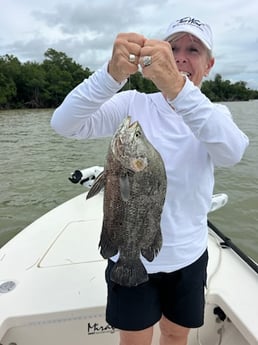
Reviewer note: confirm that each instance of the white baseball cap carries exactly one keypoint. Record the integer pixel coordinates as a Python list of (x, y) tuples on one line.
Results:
[(192, 26)]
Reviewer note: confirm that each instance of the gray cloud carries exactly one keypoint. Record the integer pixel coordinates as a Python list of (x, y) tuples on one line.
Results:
[(97, 17), (85, 30)]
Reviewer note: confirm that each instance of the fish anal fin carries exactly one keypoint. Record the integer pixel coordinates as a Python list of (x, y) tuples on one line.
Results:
[(150, 252)]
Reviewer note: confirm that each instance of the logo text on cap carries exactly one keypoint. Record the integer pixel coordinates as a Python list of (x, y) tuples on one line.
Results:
[(189, 20)]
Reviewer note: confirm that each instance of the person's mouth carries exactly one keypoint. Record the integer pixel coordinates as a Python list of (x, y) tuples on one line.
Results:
[(185, 73)]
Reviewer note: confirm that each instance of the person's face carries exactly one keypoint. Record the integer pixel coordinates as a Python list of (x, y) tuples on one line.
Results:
[(192, 58)]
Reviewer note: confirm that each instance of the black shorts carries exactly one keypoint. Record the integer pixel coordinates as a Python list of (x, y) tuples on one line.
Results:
[(179, 296)]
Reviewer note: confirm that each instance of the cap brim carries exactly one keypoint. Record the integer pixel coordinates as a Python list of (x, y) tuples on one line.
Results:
[(188, 31)]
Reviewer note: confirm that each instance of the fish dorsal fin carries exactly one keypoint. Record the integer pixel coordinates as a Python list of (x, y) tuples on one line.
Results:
[(124, 187), (97, 185)]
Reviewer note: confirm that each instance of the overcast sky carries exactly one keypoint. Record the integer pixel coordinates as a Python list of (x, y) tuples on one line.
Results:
[(86, 29)]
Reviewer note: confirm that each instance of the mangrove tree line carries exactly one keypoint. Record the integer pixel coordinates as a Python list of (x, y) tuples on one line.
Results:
[(45, 84)]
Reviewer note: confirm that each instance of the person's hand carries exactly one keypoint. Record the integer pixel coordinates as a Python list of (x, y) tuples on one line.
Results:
[(161, 67), (126, 45)]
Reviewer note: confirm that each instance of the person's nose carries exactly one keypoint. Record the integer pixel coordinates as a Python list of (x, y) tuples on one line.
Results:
[(180, 58)]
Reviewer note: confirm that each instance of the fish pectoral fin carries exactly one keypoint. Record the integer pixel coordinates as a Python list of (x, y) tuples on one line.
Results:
[(124, 187), (97, 185)]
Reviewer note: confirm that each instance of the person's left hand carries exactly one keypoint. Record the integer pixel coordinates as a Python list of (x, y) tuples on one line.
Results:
[(162, 70)]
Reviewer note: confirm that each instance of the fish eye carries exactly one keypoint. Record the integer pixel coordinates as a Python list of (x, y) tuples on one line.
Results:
[(138, 134)]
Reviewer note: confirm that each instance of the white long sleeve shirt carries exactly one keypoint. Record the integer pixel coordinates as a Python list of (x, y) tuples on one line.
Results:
[(192, 137)]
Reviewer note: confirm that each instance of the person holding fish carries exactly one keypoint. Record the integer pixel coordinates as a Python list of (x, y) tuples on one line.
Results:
[(156, 270)]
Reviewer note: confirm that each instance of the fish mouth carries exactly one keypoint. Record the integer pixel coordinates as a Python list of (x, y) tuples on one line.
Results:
[(128, 125), (124, 137), (121, 137)]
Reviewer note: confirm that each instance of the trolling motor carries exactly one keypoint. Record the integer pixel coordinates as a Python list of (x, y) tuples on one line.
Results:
[(86, 177)]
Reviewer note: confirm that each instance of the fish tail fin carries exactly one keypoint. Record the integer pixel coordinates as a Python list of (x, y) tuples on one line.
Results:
[(129, 273)]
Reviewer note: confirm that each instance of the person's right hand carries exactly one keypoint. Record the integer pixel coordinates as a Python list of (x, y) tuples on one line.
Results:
[(119, 67)]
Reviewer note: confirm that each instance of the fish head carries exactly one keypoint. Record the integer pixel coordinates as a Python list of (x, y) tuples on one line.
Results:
[(128, 146)]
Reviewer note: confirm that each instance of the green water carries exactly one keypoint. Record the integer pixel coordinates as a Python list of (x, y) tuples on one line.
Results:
[(35, 164)]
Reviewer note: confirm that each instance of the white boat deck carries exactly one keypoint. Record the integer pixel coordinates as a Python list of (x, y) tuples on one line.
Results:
[(60, 292)]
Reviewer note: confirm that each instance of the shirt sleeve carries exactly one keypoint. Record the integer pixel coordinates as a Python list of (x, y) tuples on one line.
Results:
[(84, 111), (212, 124)]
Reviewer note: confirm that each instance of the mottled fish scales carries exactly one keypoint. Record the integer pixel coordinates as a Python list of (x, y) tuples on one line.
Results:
[(134, 182)]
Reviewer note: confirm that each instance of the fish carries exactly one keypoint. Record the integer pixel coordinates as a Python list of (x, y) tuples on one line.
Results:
[(134, 182)]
